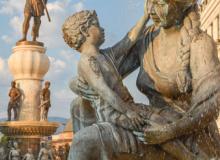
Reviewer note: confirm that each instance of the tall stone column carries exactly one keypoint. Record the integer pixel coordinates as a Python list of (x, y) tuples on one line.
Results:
[(28, 65)]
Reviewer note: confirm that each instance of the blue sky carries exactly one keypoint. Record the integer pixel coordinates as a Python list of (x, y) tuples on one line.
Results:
[(116, 16)]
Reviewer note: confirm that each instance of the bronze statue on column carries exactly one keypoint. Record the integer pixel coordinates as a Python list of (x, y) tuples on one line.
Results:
[(14, 102), (35, 9), (45, 102)]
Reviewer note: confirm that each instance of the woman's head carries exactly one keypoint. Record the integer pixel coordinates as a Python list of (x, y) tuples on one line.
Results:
[(43, 144), (170, 12), (13, 84), (47, 84), (82, 26), (167, 13)]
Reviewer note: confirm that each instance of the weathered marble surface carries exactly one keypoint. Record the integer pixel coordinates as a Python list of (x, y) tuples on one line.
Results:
[(179, 73)]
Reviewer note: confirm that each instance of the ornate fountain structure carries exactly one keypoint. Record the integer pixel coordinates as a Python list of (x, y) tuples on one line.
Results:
[(28, 65)]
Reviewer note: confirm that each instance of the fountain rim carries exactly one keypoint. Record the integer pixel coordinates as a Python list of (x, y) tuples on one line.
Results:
[(33, 43), (29, 123)]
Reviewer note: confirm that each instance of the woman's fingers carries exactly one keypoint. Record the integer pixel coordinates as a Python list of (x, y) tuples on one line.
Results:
[(89, 97), (140, 136), (86, 92), (134, 124), (138, 123), (82, 85)]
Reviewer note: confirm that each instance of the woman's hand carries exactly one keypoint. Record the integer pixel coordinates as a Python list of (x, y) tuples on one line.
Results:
[(157, 134), (154, 134), (137, 113), (82, 89), (136, 120), (140, 109), (147, 8)]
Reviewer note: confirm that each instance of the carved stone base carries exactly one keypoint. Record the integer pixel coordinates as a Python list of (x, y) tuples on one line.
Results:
[(28, 133), (30, 43), (28, 65)]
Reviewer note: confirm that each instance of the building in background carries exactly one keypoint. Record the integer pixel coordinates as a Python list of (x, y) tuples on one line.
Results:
[(64, 137), (210, 19), (210, 22)]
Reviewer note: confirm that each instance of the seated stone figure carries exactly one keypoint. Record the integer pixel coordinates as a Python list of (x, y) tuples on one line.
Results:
[(118, 112), (115, 104)]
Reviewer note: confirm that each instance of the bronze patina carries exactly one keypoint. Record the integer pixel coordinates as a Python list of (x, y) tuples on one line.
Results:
[(35, 9)]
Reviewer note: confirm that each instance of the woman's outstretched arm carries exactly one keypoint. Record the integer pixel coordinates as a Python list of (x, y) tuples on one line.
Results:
[(123, 47)]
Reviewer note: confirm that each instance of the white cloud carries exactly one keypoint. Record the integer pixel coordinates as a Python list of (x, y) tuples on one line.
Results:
[(56, 65), (50, 33), (5, 77), (2, 64), (78, 6), (56, 6), (66, 54), (64, 95), (16, 23), (70, 56), (10, 7), (3, 113), (7, 39), (4, 72)]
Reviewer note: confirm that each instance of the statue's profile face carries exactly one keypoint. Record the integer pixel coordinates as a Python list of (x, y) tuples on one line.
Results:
[(43, 144), (13, 84), (29, 150), (96, 34), (15, 145), (47, 85), (166, 12)]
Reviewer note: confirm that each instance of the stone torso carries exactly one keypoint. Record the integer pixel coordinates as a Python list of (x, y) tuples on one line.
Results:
[(13, 94), (15, 154), (158, 69), (34, 7), (44, 154), (45, 93), (160, 62), (114, 82), (2, 153), (159, 66), (29, 156)]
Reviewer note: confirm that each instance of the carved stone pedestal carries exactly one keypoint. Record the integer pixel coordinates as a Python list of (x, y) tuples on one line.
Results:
[(28, 133), (28, 65)]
